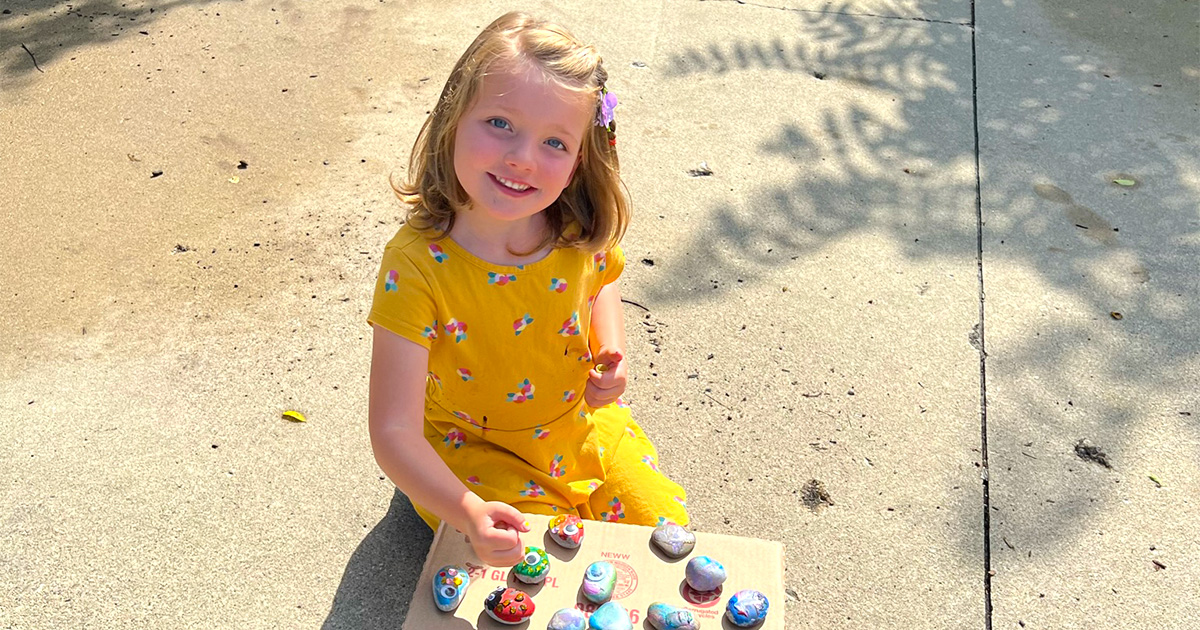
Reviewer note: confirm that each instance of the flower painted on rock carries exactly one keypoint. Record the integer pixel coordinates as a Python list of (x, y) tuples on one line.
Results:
[(390, 285), (558, 285), (521, 323), (570, 327), (438, 254), (532, 490), (500, 279), (465, 374), (455, 439), (457, 328), (525, 392)]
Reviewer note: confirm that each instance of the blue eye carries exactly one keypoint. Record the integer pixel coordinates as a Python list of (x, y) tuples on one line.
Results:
[(557, 144), (498, 123)]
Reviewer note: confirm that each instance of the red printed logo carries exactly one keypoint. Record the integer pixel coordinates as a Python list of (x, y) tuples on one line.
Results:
[(702, 599), (627, 580)]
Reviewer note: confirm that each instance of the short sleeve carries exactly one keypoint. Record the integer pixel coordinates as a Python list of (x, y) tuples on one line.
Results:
[(614, 264), (403, 301)]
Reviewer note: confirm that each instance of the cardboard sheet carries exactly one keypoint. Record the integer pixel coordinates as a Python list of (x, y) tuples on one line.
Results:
[(645, 576)]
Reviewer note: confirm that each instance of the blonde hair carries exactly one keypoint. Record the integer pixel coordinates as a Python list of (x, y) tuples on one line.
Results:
[(593, 199)]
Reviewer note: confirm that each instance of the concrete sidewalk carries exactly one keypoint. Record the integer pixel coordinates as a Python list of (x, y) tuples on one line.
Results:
[(910, 276)]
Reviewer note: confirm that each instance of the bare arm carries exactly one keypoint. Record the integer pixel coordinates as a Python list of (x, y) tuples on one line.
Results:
[(396, 421), (608, 348)]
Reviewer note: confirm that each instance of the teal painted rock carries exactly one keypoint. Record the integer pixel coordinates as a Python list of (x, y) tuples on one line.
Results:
[(535, 566), (747, 608), (568, 619), (449, 587), (611, 616), (667, 617), (598, 581), (704, 573), (673, 539)]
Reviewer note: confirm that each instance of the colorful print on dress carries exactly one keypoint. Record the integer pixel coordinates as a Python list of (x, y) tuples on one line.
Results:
[(435, 378), (556, 468), (431, 331), (570, 327), (592, 485), (390, 285), (525, 392), (540, 433), (661, 520), (558, 285), (591, 301), (500, 279), (617, 513), (532, 490), (621, 404), (521, 323), (681, 501), (587, 356), (465, 374), (459, 329), (630, 432), (569, 396), (462, 415), (649, 461), (455, 439), (473, 480), (600, 259), (438, 254)]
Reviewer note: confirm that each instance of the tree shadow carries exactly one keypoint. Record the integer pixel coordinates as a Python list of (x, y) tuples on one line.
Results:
[(1102, 247), (381, 576), (52, 29)]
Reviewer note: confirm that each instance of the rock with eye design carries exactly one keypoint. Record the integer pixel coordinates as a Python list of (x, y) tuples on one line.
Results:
[(508, 605), (449, 587), (566, 530), (535, 567)]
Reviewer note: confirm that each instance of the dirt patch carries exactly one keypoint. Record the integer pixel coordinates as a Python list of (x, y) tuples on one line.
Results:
[(1092, 453), (815, 496)]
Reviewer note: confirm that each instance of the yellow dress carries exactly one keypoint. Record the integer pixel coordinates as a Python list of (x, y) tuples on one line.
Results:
[(509, 357)]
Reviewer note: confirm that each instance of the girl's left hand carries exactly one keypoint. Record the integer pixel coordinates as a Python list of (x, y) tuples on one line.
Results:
[(606, 384)]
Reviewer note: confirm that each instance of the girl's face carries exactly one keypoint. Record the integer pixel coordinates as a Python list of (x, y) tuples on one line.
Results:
[(517, 145)]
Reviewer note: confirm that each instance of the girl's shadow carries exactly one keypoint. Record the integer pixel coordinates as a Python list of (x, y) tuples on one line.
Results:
[(379, 580)]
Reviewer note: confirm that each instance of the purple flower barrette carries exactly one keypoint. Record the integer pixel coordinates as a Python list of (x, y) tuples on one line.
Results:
[(604, 116)]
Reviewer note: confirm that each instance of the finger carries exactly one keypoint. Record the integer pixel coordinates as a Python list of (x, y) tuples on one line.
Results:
[(510, 516)]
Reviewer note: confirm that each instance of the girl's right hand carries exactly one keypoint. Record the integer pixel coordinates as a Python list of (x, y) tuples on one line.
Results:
[(495, 533)]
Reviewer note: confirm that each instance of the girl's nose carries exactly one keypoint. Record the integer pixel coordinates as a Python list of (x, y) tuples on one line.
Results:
[(520, 156)]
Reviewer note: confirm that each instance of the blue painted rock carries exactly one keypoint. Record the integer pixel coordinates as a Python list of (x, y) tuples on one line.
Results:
[(667, 617), (535, 566), (449, 587), (704, 573), (568, 619), (673, 539), (566, 530), (747, 608), (508, 605), (598, 581), (611, 616)]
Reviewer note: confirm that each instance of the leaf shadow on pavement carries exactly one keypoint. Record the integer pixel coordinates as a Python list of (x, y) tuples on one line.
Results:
[(896, 181), (378, 582), (50, 29)]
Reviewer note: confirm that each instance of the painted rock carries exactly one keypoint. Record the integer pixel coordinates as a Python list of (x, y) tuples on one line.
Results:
[(509, 605), (449, 587), (747, 608), (611, 616), (667, 617), (673, 539), (566, 530), (598, 581), (535, 566), (704, 573), (568, 619)]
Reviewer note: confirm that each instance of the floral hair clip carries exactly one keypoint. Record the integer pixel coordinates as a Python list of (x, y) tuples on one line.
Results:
[(604, 117)]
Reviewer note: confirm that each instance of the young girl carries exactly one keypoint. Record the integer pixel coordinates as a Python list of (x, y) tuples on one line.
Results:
[(499, 349)]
